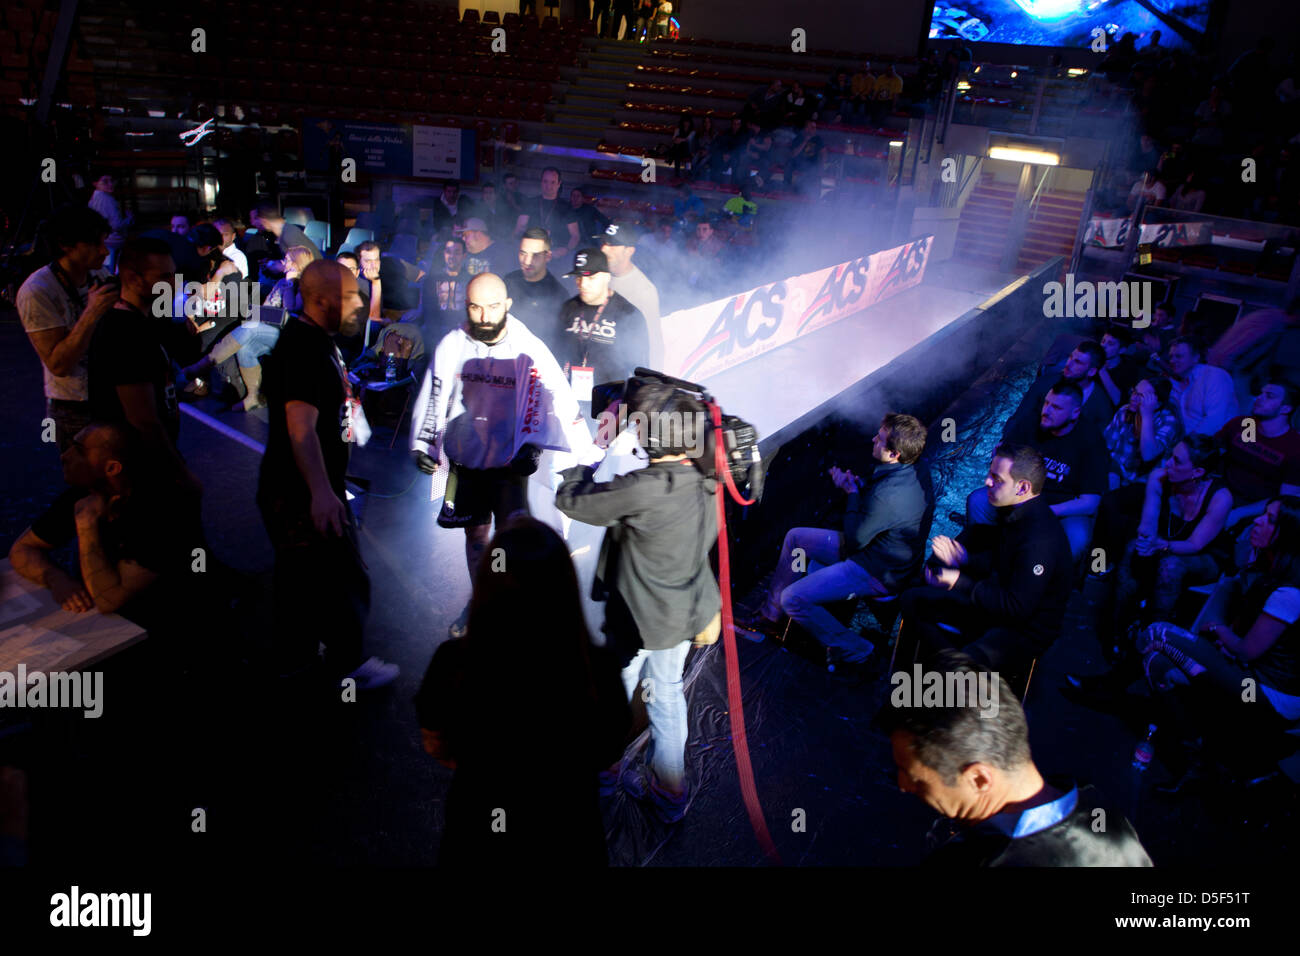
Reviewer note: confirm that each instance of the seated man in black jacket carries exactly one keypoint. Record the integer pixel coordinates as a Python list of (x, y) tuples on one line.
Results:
[(999, 590), (879, 551), (1076, 471), (972, 763), (655, 576)]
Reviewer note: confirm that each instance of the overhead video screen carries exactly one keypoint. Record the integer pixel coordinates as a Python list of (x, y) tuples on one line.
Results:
[(1182, 23)]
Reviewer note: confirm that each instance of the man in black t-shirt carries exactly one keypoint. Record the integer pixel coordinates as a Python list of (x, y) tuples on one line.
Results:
[(535, 295), (482, 254), (129, 364), (1074, 453), (322, 591), (450, 207), (598, 329), (442, 293), (549, 212)]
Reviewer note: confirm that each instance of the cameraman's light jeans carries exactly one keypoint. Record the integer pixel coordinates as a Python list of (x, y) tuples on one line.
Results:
[(665, 703)]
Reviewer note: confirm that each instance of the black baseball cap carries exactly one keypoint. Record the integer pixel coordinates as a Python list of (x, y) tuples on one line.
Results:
[(588, 262), (619, 234)]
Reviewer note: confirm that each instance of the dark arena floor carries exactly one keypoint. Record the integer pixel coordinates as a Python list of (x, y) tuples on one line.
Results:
[(342, 785), (855, 228)]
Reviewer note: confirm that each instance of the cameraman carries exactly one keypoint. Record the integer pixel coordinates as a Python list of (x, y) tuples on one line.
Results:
[(654, 573), (492, 400)]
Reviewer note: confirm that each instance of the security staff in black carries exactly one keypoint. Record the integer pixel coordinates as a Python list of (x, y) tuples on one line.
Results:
[(600, 337)]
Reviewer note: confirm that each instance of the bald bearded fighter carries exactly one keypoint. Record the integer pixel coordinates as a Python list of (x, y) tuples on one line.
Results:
[(493, 399)]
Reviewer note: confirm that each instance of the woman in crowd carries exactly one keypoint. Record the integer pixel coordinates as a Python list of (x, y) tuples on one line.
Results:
[(1204, 678), (1181, 534), (526, 712), (1142, 434), (1181, 541), (253, 338), (284, 294)]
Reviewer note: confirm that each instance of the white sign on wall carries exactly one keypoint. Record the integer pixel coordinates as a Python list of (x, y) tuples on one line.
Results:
[(436, 152)]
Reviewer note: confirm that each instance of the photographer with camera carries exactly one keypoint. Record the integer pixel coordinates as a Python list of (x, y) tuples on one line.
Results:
[(654, 573), (493, 399)]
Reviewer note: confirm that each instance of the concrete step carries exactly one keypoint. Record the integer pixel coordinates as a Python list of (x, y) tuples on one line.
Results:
[(577, 74), (985, 208), (596, 112), (590, 101), (998, 195), (992, 246), (589, 135)]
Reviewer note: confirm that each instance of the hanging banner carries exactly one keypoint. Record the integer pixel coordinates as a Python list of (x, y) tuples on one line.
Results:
[(708, 339), (1111, 233)]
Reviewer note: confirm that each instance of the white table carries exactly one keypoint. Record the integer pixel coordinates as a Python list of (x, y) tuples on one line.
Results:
[(35, 631)]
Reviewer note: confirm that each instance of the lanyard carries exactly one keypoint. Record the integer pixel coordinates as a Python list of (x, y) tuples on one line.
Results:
[(75, 298), (586, 337), (336, 357)]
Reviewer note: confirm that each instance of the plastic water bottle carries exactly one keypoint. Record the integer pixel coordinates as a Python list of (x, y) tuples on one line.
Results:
[(390, 368), (1145, 750)]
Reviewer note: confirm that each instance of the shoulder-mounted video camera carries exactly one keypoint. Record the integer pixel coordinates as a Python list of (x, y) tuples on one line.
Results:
[(677, 417)]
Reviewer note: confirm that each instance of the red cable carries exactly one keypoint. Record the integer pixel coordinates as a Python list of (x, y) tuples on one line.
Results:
[(748, 791)]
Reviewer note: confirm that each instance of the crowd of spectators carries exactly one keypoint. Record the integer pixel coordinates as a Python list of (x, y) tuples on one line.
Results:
[(1196, 126), (1141, 463)]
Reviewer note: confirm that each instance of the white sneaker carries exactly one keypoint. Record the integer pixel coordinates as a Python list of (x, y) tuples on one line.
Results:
[(374, 674)]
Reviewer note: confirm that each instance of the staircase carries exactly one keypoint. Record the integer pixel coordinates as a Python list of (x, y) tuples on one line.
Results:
[(599, 87), (1051, 230), (985, 225)]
